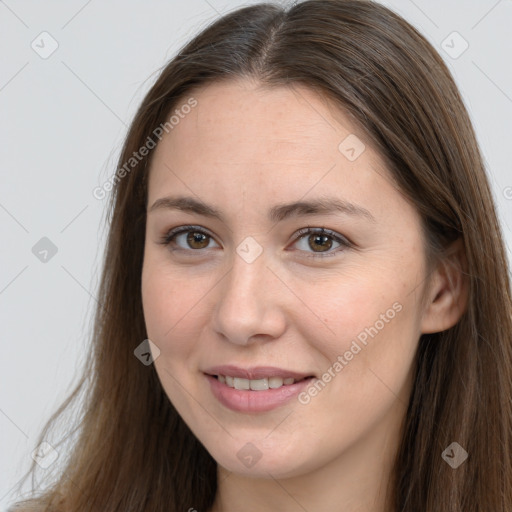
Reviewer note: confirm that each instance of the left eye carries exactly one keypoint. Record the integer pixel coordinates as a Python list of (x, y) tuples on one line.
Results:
[(321, 238)]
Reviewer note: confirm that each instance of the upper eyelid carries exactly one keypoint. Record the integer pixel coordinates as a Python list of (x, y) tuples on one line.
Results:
[(178, 230)]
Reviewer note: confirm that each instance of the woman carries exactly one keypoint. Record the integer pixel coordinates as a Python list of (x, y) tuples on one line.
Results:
[(304, 302)]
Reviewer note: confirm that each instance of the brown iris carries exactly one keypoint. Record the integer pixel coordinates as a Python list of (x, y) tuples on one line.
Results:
[(318, 239), (194, 237)]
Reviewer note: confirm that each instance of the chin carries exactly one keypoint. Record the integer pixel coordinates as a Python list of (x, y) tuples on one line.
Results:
[(262, 459)]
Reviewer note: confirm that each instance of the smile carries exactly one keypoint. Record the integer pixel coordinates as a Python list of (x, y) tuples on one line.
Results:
[(256, 384), (238, 394)]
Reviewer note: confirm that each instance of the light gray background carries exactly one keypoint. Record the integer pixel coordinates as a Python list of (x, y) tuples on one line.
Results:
[(63, 119)]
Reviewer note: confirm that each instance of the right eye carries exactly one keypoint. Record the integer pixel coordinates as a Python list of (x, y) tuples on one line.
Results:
[(192, 238)]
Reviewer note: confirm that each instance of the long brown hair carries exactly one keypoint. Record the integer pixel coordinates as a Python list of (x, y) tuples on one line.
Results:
[(131, 451)]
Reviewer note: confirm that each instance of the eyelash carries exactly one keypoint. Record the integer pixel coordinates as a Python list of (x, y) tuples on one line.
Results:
[(345, 243)]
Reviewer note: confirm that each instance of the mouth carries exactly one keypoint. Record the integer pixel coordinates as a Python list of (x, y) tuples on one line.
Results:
[(255, 390), (263, 384)]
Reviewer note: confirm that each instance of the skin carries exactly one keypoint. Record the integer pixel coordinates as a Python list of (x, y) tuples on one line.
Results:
[(243, 149)]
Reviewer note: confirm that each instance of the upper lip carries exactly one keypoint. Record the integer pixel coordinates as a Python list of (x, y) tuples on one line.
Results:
[(255, 372)]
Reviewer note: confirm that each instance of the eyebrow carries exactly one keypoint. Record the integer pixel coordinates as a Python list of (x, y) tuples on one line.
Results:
[(278, 213)]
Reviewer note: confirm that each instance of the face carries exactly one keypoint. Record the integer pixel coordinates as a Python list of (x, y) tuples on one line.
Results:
[(248, 291)]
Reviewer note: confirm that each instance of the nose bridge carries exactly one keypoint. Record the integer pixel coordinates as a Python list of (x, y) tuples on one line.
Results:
[(245, 308)]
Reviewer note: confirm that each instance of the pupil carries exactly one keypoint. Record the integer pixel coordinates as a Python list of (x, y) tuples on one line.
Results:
[(194, 238), (323, 239)]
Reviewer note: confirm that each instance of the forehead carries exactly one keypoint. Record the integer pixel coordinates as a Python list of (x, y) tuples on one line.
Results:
[(253, 114), (279, 143)]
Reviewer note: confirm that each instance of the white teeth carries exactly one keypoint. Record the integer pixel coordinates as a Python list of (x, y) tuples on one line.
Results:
[(275, 382), (241, 383), (255, 384), (259, 385)]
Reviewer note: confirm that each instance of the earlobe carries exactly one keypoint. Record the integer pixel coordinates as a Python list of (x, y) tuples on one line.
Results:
[(449, 291)]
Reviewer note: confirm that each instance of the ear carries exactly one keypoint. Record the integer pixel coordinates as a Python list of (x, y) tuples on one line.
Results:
[(448, 294)]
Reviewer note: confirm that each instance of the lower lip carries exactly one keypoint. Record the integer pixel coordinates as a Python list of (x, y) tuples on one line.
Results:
[(242, 400)]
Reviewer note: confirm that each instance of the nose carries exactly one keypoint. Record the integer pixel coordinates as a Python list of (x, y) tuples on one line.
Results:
[(250, 305)]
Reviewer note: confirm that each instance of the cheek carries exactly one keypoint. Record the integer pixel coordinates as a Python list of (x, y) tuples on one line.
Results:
[(366, 363), (176, 305), (169, 319), (168, 294), (167, 313), (369, 319)]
